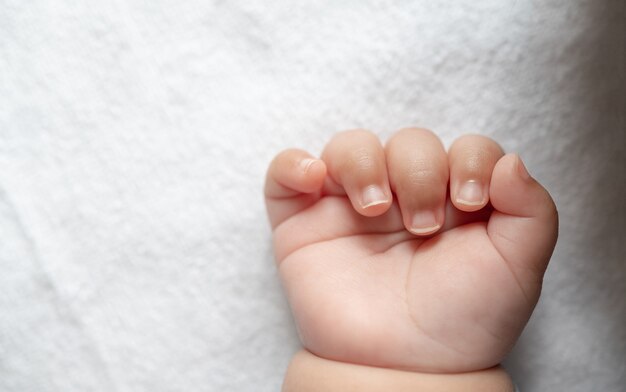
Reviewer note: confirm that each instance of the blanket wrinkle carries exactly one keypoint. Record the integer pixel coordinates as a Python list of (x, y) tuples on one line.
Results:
[(62, 308)]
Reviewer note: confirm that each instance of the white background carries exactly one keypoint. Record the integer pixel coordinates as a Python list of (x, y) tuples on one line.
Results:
[(134, 136)]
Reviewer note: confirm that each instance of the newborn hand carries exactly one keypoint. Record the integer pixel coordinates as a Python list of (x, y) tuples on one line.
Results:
[(382, 268)]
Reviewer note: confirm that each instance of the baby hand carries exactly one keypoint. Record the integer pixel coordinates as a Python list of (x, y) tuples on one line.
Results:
[(383, 267)]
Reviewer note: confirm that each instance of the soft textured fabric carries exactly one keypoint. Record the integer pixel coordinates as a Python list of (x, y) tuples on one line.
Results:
[(134, 135)]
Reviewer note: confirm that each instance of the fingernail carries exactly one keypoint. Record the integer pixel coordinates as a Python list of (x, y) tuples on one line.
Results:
[(373, 195), (306, 164), (471, 193), (521, 169), (424, 222)]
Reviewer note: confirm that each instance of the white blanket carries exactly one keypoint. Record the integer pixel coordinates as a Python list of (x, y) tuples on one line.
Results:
[(134, 136)]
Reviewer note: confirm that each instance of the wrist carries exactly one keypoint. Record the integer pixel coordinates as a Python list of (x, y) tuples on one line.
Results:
[(310, 373)]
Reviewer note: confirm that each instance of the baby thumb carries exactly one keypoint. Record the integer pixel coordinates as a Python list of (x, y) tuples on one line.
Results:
[(524, 224)]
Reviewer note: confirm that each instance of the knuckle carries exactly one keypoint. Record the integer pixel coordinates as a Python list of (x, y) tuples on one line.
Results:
[(289, 154), (476, 162), (476, 142), (421, 177), (424, 172), (352, 134), (360, 159), (287, 159), (412, 132)]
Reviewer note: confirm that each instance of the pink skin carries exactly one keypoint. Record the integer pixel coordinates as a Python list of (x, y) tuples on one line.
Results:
[(367, 286)]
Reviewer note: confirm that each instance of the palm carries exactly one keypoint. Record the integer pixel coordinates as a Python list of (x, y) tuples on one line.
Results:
[(357, 284)]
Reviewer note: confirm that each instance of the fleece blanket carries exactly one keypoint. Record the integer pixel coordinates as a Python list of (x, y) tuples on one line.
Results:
[(134, 136)]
